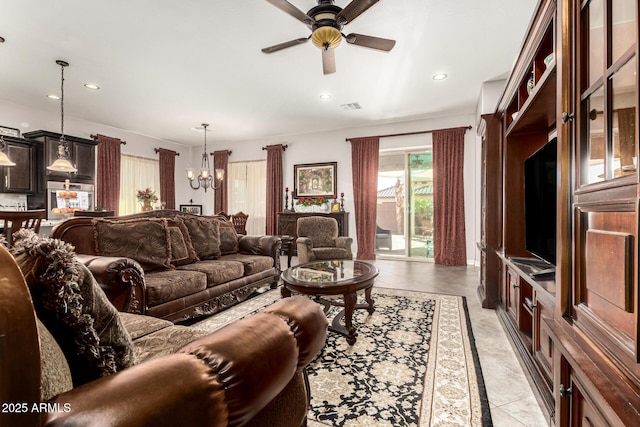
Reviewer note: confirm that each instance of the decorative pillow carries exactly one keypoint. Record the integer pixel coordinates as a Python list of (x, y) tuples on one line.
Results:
[(54, 369), (205, 236), (73, 307), (228, 238), (182, 251), (144, 239)]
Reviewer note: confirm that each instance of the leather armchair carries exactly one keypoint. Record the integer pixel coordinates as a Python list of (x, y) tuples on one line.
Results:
[(318, 240), (250, 372)]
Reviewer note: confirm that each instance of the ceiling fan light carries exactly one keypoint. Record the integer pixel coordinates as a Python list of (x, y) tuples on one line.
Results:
[(326, 37)]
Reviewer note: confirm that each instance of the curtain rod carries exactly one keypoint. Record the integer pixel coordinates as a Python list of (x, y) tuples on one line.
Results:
[(228, 152), (284, 147), (157, 150), (95, 137), (408, 133)]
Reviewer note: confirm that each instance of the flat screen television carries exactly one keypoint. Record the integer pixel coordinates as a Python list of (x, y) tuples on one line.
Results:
[(540, 171)]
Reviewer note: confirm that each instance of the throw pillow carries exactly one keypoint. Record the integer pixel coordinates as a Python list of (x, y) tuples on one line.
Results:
[(182, 251), (228, 238), (73, 307), (205, 236), (144, 239)]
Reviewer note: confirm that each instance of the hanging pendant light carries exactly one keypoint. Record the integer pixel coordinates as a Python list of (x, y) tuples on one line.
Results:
[(205, 179), (4, 159), (62, 163)]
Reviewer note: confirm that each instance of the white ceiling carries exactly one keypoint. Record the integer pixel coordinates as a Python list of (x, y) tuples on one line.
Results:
[(165, 66)]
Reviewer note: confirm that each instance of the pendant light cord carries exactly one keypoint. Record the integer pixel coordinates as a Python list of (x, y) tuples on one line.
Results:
[(62, 102)]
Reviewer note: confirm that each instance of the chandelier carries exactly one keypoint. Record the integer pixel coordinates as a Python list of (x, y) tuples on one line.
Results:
[(62, 163), (205, 179)]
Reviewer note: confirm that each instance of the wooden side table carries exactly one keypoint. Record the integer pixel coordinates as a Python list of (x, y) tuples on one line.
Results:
[(287, 248)]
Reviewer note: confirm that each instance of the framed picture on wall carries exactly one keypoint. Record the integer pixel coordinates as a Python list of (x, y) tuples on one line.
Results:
[(192, 209), (315, 180)]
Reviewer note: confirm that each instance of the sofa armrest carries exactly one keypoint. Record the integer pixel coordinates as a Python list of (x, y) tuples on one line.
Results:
[(225, 378), (261, 245), (121, 279)]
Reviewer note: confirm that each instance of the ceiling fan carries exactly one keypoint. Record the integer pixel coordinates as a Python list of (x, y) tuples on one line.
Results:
[(325, 22)]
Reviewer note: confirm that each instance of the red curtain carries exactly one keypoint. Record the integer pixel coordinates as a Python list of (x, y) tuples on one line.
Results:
[(108, 179), (364, 164), (449, 243), (274, 186), (220, 161), (167, 160)]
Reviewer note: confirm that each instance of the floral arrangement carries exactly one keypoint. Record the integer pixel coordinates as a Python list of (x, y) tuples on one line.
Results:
[(309, 201), (146, 194)]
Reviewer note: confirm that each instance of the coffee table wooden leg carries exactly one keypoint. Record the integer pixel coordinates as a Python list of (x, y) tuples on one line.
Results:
[(285, 292), (367, 297), (350, 300)]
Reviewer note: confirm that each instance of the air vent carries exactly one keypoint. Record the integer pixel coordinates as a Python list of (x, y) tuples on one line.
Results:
[(352, 106)]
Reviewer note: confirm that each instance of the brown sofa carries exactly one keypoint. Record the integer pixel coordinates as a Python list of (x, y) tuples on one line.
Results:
[(70, 359), (172, 265)]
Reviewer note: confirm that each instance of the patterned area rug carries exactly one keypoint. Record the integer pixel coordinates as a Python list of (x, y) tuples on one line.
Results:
[(414, 364)]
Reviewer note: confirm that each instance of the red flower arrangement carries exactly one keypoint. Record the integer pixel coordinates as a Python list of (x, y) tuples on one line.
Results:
[(146, 194), (310, 201)]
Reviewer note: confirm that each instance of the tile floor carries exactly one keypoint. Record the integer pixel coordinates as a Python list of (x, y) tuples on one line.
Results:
[(512, 401)]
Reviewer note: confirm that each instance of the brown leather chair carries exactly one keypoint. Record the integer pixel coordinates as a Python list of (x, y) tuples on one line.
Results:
[(239, 221), (12, 221)]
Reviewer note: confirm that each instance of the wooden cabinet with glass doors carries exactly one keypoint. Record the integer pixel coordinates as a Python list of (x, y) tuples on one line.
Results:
[(595, 330), (576, 79)]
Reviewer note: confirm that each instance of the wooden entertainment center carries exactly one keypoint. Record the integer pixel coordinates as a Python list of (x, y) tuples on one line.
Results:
[(577, 333)]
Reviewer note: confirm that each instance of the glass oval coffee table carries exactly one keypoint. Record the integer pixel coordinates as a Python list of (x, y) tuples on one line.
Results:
[(328, 278)]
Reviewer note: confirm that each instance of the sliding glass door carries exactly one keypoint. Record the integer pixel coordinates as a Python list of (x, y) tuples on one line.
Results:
[(405, 204)]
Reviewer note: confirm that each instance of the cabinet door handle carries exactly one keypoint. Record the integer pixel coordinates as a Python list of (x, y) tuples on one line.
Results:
[(566, 117), (564, 392), (6, 181), (514, 285)]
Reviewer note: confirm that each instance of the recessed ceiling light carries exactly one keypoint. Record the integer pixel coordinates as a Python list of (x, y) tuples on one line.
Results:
[(325, 96), (440, 76), (91, 86), (53, 97)]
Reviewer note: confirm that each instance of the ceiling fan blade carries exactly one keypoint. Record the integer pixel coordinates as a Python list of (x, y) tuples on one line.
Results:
[(287, 7), (328, 61), (370, 42), (353, 10), (280, 46)]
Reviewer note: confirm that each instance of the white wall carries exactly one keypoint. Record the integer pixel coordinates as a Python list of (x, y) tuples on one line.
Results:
[(330, 146)]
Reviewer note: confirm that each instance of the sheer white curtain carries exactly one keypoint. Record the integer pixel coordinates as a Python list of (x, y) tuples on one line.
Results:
[(247, 185), (137, 173)]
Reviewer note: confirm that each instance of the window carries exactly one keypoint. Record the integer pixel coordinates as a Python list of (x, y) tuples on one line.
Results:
[(405, 196), (137, 173), (247, 185)]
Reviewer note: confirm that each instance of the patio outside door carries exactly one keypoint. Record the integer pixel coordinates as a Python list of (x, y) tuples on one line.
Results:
[(405, 204)]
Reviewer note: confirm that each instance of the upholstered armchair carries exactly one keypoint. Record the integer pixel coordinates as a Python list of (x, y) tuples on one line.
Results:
[(318, 240)]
